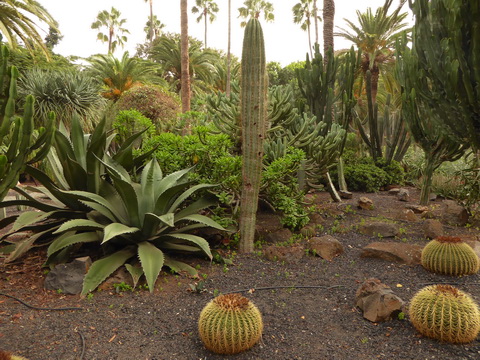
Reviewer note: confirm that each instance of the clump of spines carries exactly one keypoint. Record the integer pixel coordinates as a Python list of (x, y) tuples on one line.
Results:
[(230, 324), (450, 256), (445, 313)]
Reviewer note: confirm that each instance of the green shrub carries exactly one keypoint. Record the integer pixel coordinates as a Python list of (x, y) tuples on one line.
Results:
[(154, 102), (129, 122), (394, 171), (365, 177)]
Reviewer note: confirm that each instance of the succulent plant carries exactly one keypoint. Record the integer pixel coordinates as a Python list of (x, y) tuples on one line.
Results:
[(230, 324), (445, 313), (450, 256)]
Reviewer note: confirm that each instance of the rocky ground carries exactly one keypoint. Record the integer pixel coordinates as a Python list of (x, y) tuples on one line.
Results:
[(308, 303)]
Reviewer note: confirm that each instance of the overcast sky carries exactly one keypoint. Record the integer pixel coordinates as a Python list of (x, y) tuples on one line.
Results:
[(285, 42)]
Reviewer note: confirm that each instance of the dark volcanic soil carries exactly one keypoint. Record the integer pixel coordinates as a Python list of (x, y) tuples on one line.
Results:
[(299, 323)]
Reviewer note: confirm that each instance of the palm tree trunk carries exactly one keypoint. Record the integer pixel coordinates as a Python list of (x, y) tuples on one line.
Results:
[(185, 72), (151, 21), (328, 18), (315, 15), (205, 15), (227, 86), (310, 42)]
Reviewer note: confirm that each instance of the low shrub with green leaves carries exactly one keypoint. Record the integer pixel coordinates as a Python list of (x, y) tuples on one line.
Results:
[(129, 122)]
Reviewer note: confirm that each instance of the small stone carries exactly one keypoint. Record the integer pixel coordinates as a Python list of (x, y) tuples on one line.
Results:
[(417, 209), (407, 215), (402, 253), (365, 203), (432, 229), (433, 197), (380, 229), (403, 195), (393, 191), (68, 278), (327, 247), (279, 236), (454, 214), (287, 254), (377, 301), (345, 194)]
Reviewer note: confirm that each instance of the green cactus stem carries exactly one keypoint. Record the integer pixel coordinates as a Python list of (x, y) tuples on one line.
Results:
[(445, 313), (254, 123), (450, 256), (230, 324)]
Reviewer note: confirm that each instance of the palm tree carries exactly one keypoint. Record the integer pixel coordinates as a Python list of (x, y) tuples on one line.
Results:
[(185, 61), (154, 30), (376, 36), (151, 22), (207, 10), (229, 55), (120, 75), (328, 18), (302, 14), (19, 19), (253, 8), (111, 20)]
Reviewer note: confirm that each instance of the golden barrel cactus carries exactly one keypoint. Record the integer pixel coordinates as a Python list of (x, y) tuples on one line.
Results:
[(230, 324), (445, 313), (450, 256)]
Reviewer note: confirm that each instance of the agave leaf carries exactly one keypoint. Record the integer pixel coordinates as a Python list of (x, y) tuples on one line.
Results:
[(24, 245), (135, 272), (186, 194), (116, 229), (150, 178), (200, 204), (78, 141), (69, 238), (178, 266), (79, 224), (40, 190), (171, 180), (205, 220), (102, 268), (101, 209), (180, 247), (115, 169), (75, 174), (28, 218), (197, 240), (152, 259), (167, 197)]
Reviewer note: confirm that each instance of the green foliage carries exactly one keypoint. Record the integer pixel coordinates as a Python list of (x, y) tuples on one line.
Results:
[(230, 324), (365, 177), (445, 313), (129, 122), (450, 256), (280, 185), (65, 93), (154, 102)]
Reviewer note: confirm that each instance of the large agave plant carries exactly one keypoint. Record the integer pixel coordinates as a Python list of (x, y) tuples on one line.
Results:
[(100, 203)]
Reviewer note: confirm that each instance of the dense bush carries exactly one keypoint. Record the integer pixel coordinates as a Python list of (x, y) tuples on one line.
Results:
[(129, 122), (365, 177), (155, 103)]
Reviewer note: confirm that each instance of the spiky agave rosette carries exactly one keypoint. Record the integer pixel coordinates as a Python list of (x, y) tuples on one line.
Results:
[(445, 313), (450, 256), (230, 324)]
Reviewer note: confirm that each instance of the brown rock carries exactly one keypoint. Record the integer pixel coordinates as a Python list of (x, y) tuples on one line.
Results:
[(288, 254), (380, 229), (365, 203), (432, 228), (403, 195), (454, 214), (394, 252), (393, 191), (266, 223), (345, 194), (279, 236), (417, 209), (327, 247), (407, 215), (377, 301)]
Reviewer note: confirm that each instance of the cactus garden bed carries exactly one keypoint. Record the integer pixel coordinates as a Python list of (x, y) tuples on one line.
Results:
[(308, 306)]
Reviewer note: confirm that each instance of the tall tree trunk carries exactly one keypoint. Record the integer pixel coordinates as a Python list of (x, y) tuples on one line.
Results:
[(110, 38), (310, 42), (151, 21), (328, 18), (315, 18), (205, 15), (229, 56), (185, 73)]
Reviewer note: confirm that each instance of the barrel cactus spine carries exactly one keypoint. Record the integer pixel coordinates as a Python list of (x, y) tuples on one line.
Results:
[(445, 313), (230, 324), (450, 256)]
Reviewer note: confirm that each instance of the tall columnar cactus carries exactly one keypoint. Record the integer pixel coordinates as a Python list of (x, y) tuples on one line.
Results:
[(445, 313), (17, 144), (253, 99), (230, 324), (450, 256)]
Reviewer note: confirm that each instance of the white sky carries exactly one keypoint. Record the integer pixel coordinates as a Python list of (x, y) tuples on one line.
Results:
[(285, 42)]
